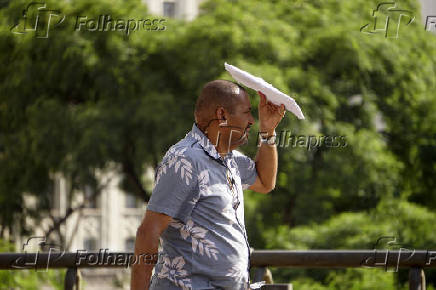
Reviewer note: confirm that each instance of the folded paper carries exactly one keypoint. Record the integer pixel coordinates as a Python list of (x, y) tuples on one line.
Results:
[(272, 94)]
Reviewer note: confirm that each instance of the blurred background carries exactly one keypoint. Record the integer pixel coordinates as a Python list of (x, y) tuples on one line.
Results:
[(87, 113)]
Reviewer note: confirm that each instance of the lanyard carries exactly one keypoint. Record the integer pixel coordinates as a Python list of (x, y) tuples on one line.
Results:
[(232, 183)]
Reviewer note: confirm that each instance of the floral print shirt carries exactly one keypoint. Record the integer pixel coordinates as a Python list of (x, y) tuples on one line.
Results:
[(202, 192)]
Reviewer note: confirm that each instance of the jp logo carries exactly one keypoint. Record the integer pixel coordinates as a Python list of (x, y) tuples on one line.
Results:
[(33, 246), (38, 19), (387, 243), (387, 20)]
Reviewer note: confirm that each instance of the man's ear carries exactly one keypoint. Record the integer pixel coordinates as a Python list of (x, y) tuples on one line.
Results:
[(220, 113)]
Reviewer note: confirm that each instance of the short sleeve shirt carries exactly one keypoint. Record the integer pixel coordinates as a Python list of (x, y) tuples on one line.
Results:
[(203, 192)]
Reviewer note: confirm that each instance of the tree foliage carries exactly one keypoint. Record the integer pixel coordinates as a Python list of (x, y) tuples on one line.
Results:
[(80, 100)]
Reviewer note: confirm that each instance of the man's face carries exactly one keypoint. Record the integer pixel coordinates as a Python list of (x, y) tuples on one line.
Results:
[(240, 121)]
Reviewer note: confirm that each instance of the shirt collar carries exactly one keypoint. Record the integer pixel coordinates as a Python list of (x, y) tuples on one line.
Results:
[(205, 143)]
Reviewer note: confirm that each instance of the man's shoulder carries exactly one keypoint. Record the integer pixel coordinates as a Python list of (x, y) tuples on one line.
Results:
[(185, 148), (180, 156), (243, 160)]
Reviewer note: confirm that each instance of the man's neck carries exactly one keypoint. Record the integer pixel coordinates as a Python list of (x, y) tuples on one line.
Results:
[(214, 142)]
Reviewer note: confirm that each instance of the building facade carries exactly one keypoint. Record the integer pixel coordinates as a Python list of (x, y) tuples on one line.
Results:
[(428, 14), (181, 9)]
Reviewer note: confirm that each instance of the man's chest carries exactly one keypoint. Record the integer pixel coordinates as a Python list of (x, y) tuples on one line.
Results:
[(220, 191)]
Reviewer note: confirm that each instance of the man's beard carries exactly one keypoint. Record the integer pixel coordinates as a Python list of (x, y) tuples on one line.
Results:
[(242, 140)]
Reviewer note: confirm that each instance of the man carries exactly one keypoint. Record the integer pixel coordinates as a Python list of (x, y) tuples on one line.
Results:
[(196, 209)]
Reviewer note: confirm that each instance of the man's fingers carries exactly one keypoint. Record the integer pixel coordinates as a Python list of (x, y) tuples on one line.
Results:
[(272, 108), (262, 98)]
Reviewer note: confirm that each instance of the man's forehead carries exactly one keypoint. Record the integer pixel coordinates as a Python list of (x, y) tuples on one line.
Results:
[(243, 99), (244, 96)]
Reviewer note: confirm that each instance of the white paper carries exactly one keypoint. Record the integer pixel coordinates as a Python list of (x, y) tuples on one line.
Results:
[(272, 94), (257, 285)]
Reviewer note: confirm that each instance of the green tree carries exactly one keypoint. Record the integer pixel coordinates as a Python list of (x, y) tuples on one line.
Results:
[(28, 279), (81, 101)]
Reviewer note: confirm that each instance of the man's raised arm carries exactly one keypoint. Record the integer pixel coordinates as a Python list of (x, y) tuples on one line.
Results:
[(266, 159), (146, 244)]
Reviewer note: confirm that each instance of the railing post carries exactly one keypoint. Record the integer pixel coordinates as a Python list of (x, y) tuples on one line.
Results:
[(416, 279), (263, 274), (259, 273), (72, 279)]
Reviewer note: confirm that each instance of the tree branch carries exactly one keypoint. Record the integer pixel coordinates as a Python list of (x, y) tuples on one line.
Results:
[(130, 172)]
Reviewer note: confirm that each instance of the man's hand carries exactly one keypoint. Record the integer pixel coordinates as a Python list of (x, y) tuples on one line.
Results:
[(270, 115)]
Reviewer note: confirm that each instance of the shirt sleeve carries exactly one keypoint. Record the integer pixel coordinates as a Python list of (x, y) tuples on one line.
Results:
[(247, 170), (175, 191)]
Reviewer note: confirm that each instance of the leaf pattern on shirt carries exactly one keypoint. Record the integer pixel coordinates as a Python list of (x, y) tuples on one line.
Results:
[(203, 181), (205, 143), (161, 170), (239, 271), (235, 271), (173, 271), (177, 159), (251, 165), (199, 139), (200, 244)]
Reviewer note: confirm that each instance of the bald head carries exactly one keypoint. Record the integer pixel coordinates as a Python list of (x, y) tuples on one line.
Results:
[(215, 94)]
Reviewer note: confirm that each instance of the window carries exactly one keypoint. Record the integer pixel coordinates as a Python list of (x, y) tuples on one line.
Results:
[(90, 244), (130, 244), (169, 9), (91, 198)]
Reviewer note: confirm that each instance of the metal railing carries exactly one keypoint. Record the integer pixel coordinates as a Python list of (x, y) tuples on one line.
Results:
[(415, 260)]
